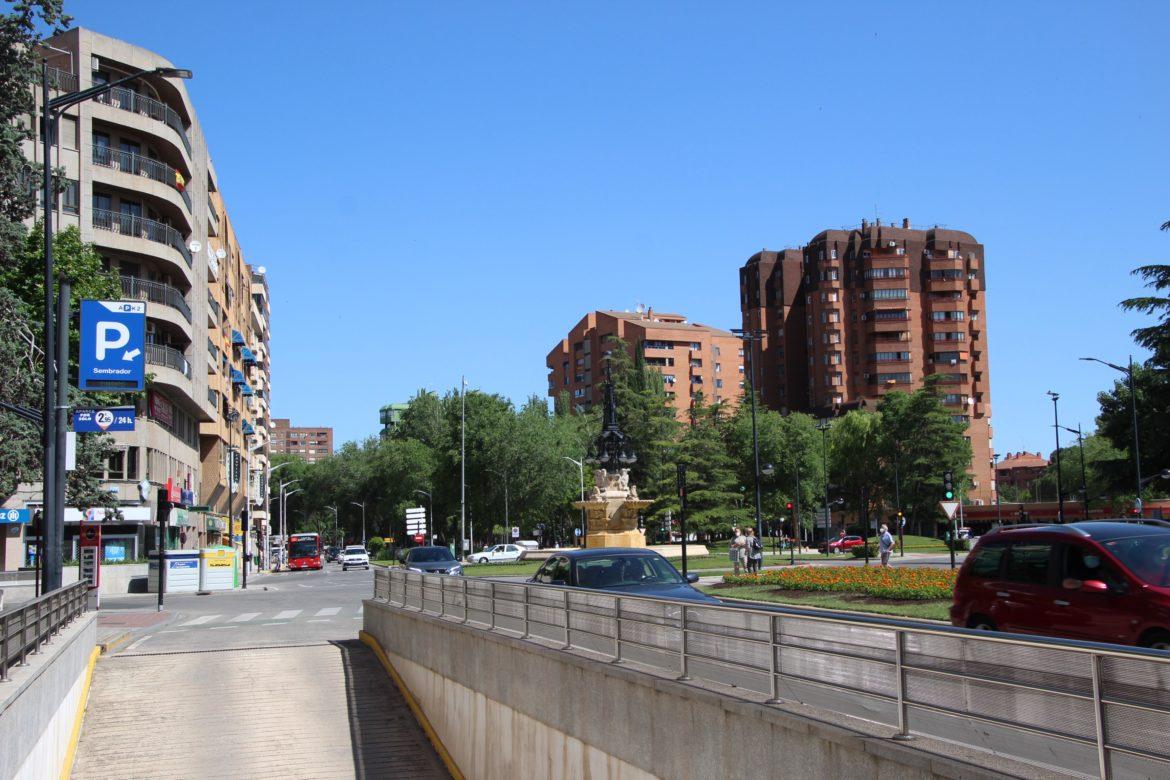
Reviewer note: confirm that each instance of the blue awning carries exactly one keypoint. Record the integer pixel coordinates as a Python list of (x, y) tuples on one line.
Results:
[(238, 338), (238, 377), (247, 355), (246, 390), (247, 427)]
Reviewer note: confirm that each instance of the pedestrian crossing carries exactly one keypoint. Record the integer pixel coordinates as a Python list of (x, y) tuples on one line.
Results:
[(282, 617)]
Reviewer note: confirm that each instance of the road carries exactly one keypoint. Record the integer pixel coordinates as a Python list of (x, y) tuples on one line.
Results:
[(264, 683)]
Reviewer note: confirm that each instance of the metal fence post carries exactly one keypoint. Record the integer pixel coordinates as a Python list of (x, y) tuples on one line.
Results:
[(1099, 717), (5, 627), (465, 610), (683, 676), (492, 604), (568, 637), (525, 612), (773, 682), (617, 631), (899, 667), (36, 627)]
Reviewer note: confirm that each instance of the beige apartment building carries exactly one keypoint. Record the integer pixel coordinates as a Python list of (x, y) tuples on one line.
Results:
[(141, 187), (310, 444), (694, 360)]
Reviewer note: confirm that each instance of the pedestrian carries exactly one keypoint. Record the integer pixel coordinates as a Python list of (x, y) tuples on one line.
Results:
[(741, 543), (735, 551), (885, 545), (755, 552)]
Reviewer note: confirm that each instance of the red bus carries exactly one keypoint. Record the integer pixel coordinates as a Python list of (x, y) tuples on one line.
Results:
[(304, 551)]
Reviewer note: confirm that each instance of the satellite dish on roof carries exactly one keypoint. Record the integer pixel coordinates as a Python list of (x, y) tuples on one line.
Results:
[(220, 253), (195, 246), (261, 270)]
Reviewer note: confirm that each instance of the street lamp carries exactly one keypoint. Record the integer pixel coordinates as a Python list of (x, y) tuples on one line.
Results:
[(823, 426), (53, 414), (995, 475), (751, 336), (232, 416), (1084, 480), (283, 513), (362, 504), (268, 506), (1059, 488), (1137, 457), (431, 519)]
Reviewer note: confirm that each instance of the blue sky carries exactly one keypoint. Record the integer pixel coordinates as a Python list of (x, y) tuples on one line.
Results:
[(446, 188)]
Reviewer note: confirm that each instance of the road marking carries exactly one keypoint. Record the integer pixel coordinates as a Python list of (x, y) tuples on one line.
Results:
[(136, 644), (281, 623), (220, 628), (302, 585), (327, 611), (199, 620), (287, 614), (244, 617), (174, 631), (322, 620), (359, 617)]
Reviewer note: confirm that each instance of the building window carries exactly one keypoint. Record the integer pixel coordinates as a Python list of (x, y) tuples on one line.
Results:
[(896, 294), (948, 316), (947, 275), (890, 314), (949, 336), (902, 377), (891, 357), (885, 273)]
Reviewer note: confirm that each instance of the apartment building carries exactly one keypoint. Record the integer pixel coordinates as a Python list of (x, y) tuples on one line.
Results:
[(1020, 470), (309, 444), (693, 359), (859, 312), (140, 186)]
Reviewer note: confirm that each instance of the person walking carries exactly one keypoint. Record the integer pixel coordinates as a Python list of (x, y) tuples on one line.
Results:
[(736, 550), (885, 545), (755, 552)]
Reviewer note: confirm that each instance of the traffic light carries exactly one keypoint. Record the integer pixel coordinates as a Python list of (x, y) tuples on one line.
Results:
[(789, 506), (948, 485), (1023, 514)]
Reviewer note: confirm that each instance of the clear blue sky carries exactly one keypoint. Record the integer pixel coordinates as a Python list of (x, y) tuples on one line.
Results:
[(446, 188)]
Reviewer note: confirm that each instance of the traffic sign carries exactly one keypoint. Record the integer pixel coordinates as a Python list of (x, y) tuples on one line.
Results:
[(14, 516), (419, 538), (950, 507), (113, 340), (119, 418), (515, 532)]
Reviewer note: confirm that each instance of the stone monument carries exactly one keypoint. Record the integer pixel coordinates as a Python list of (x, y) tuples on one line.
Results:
[(612, 506)]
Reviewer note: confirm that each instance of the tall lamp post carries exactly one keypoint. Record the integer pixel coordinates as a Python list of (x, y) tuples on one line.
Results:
[(823, 426), (362, 504), (431, 516), (751, 336), (268, 507), (284, 513), (1059, 486), (53, 510), (581, 470), (463, 467), (995, 475), (1137, 456), (1084, 478), (232, 416)]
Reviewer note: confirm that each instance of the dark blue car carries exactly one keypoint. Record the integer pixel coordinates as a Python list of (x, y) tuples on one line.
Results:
[(620, 570)]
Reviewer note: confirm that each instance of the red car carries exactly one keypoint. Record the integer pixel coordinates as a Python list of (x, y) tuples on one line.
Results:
[(1103, 581), (843, 543)]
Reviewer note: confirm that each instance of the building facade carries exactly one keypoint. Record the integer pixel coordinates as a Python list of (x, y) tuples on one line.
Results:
[(1020, 470), (390, 416), (694, 360), (859, 312), (307, 443), (141, 188)]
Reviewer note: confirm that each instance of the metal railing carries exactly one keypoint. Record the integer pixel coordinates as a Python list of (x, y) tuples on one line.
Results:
[(157, 292), (138, 165), (129, 100), (140, 227), (161, 355), (1085, 709), (26, 628), (62, 80)]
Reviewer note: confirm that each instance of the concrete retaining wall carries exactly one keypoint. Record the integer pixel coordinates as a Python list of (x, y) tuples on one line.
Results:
[(116, 579), (40, 705), (508, 708)]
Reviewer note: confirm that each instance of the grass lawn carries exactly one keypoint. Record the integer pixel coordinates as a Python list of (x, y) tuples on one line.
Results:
[(501, 569), (926, 610)]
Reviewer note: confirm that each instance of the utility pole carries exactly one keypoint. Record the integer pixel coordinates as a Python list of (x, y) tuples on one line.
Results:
[(1056, 429), (463, 465), (1084, 478), (751, 337), (682, 512), (823, 426), (61, 426)]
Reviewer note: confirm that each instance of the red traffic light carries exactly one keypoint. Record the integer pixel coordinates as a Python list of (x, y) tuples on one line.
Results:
[(789, 505)]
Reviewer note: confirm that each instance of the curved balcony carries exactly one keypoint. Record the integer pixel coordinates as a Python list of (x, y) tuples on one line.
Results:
[(142, 228), (156, 292), (129, 100), (168, 357), (136, 165)]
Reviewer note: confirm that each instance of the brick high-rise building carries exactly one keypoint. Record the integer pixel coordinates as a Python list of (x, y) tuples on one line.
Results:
[(857, 313), (692, 358), (309, 444)]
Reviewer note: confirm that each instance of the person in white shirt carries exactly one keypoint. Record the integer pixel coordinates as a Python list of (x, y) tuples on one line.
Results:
[(885, 544)]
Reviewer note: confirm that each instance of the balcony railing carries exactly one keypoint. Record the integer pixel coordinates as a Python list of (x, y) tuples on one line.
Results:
[(130, 225), (156, 292), (136, 164), (213, 306), (62, 81), (160, 355), (129, 100)]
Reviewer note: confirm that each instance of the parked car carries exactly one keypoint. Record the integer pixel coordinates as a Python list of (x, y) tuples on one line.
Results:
[(354, 556), (431, 560), (843, 543), (622, 570), (332, 554), (498, 554), (1102, 580), (526, 544)]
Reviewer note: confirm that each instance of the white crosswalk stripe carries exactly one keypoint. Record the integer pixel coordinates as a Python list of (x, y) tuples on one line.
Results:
[(244, 617), (199, 620), (327, 611), (287, 614)]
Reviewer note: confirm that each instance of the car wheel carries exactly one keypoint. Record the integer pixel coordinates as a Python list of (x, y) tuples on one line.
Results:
[(1156, 640), (483, 560), (981, 623)]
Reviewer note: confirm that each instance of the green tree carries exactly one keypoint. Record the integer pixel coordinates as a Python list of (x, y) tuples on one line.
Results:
[(1156, 337), (1103, 464), (644, 413), (855, 465), (1115, 424)]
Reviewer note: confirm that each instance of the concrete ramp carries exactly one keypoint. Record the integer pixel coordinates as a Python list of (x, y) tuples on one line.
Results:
[(314, 711)]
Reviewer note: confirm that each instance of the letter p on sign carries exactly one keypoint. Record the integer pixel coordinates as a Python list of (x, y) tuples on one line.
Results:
[(110, 335)]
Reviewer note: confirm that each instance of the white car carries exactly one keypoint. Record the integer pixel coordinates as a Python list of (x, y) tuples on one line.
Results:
[(353, 556), (499, 554)]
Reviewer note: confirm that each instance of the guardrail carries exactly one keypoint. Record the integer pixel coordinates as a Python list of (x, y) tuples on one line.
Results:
[(129, 100), (139, 227), (24, 629), (162, 355), (1084, 708)]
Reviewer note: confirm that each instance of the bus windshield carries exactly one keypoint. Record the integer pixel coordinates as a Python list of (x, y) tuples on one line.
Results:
[(304, 548)]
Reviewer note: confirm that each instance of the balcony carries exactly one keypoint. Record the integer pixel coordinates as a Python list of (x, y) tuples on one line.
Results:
[(168, 357), (156, 292), (212, 311), (129, 100), (137, 165), (61, 80), (140, 227)]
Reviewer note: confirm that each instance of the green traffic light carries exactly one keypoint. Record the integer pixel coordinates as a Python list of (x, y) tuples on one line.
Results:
[(950, 494)]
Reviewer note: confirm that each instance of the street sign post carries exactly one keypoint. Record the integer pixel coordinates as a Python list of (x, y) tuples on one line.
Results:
[(952, 537), (118, 418), (416, 523), (515, 532), (950, 507), (113, 343)]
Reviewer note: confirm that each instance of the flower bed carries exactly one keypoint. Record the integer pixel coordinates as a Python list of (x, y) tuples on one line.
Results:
[(916, 583)]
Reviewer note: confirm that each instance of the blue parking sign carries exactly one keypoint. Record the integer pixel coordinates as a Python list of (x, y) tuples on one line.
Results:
[(113, 340)]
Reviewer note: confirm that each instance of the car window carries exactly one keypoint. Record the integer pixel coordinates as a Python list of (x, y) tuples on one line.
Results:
[(1083, 563), (625, 571), (542, 574), (986, 560), (559, 571), (1027, 562), (510, 548), (1148, 557)]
